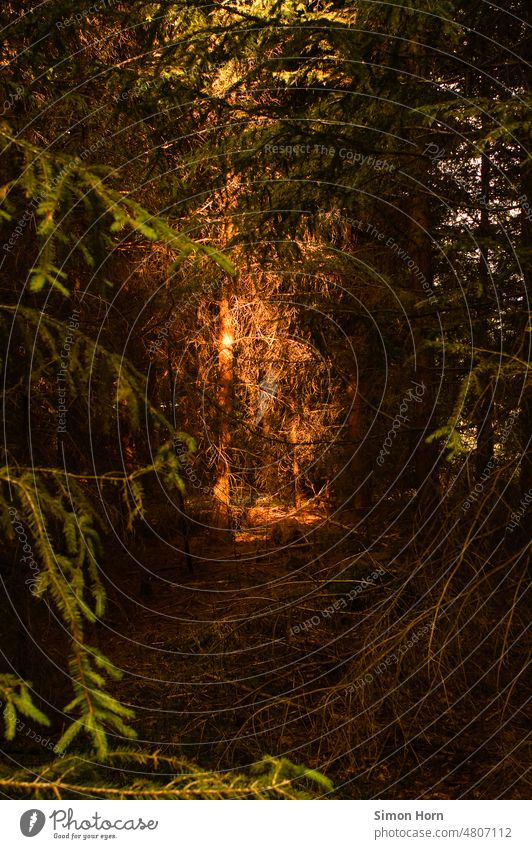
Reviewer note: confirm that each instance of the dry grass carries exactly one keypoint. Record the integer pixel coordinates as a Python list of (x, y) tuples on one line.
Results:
[(412, 688)]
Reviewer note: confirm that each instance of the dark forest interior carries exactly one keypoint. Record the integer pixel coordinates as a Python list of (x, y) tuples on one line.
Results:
[(266, 478)]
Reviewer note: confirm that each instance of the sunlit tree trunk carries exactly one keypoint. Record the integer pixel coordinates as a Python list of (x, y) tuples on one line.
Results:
[(222, 494)]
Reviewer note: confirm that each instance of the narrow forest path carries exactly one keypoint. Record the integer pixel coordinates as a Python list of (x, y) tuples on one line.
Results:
[(251, 655), (220, 663)]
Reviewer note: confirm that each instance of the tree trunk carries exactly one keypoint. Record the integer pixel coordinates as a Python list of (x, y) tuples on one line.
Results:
[(484, 407), (525, 353), (222, 494), (359, 466), (298, 500), (425, 455)]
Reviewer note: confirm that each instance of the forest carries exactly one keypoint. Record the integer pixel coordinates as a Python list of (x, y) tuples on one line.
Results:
[(266, 471)]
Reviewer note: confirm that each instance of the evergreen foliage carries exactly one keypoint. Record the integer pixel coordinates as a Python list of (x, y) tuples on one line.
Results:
[(347, 179)]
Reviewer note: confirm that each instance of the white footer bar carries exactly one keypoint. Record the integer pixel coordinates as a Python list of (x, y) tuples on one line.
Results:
[(273, 825)]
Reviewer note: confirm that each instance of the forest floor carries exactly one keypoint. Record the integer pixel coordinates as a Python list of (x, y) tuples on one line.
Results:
[(239, 659)]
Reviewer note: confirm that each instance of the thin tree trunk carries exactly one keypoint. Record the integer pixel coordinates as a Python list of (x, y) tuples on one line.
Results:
[(298, 500), (360, 460), (526, 400), (222, 494), (484, 409), (425, 455)]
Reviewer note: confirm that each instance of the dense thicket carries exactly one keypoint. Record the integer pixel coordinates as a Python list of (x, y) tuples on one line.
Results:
[(270, 255)]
